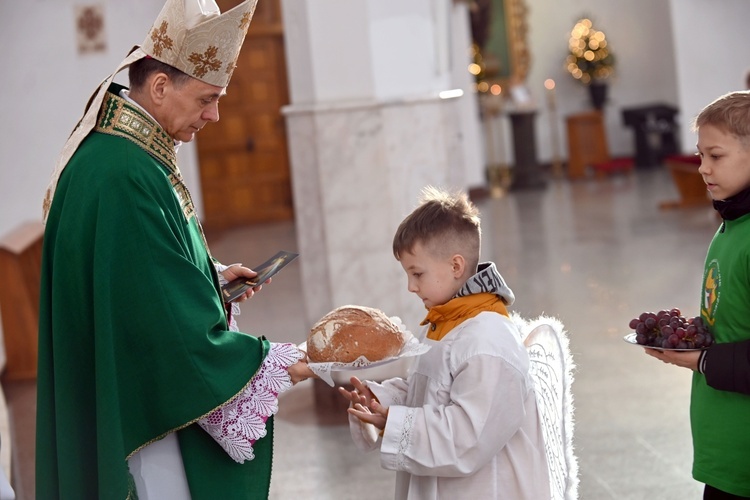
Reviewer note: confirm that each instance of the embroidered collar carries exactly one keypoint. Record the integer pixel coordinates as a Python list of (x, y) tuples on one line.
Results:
[(124, 119)]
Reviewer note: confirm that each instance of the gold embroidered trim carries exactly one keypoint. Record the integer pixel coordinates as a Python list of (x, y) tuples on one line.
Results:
[(245, 21), (120, 118), (203, 63), (161, 39), (47, 203), (162, 436)]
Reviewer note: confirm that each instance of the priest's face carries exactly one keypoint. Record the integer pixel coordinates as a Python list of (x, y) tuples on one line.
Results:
[(188, 106)]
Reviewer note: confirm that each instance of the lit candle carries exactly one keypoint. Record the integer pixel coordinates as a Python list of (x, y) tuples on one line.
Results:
[(549, 84), (497, 92)]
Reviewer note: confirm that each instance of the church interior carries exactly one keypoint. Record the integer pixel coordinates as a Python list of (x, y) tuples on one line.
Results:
[(568, 123)]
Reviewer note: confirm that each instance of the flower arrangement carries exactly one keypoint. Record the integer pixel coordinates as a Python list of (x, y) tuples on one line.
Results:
[(589, 59)]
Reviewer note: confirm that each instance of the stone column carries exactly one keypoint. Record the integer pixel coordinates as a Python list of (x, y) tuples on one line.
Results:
[(370, 124)]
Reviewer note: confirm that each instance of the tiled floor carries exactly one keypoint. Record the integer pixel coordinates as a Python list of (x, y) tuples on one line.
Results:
[(592, 253)]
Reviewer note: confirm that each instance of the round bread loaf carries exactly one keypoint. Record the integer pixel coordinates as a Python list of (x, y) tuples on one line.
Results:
[(348, 332)]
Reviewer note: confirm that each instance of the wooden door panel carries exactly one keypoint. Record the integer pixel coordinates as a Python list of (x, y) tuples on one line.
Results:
[(244, 162)]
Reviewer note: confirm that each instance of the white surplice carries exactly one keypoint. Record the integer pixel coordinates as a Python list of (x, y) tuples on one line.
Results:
[(465, 423)]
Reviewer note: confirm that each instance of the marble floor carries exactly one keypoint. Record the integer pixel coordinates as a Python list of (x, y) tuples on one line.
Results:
[(592, 253)]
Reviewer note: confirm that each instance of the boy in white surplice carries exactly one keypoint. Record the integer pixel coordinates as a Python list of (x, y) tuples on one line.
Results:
[(464, 424)]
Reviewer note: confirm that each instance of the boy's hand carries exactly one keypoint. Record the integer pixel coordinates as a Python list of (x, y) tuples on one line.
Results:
[(361, 394), (685, 359), (376, 414), (364, 405)]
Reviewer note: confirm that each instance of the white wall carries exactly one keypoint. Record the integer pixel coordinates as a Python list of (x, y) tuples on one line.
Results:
[(684, 52), (679, 52), (43, 95), (711, 53), (458, 60), (44, 89), (639, 35), (409, 43), (343, 53), (374, 50)]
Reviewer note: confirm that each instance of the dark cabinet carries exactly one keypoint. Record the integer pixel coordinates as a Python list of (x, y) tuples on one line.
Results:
[(656, 132)]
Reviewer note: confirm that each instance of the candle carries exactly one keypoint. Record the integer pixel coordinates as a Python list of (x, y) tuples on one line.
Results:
[(549, 84)]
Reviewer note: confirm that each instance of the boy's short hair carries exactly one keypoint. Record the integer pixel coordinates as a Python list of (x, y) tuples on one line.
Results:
[(729, 113), (446, 223)]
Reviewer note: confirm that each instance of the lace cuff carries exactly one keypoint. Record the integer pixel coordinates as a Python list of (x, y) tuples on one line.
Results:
[(234, 307), (237, 425)]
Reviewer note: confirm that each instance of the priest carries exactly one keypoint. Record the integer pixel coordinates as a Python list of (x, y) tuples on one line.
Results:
[(145, 387)]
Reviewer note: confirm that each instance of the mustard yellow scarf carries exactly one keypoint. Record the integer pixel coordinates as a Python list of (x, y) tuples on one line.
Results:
[(444, 318)]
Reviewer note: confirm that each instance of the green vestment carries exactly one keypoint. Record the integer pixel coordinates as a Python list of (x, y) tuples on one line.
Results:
[(133, 337)]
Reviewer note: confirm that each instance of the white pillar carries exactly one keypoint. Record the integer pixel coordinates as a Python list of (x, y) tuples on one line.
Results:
[(367, 130)]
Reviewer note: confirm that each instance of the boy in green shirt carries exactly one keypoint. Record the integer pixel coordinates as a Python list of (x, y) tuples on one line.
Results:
[(720, 400)]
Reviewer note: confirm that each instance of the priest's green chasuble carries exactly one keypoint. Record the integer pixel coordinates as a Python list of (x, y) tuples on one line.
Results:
[(133, 336)]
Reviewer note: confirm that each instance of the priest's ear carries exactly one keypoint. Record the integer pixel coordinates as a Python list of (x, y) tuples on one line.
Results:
[(157, 87)]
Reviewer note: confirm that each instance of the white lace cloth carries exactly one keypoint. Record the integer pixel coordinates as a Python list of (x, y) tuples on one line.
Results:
[(327, 370), (157, 469), (237, 425)]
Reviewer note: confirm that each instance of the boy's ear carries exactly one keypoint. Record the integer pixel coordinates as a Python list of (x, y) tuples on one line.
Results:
[(459, 265)]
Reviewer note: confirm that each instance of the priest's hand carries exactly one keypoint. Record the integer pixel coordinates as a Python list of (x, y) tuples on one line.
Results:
[(300, 371), (239, 271)]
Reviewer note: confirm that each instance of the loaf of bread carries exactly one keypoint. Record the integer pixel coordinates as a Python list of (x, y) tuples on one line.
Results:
[(348, 332)]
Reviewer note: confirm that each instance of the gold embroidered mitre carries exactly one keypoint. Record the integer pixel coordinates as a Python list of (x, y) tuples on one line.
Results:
[(194, 37), (191, 35)]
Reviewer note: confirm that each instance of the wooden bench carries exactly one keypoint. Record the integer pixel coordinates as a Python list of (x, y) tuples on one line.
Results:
[(689, 182), (20, 274)]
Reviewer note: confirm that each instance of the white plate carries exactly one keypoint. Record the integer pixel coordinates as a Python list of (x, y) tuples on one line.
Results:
[(630, 339), (360, 364), (326, 371)]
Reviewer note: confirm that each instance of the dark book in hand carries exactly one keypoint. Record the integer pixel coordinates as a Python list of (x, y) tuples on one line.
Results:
[(236, 288)]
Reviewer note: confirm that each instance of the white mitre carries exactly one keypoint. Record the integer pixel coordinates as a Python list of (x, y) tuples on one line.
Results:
[(190, 35)]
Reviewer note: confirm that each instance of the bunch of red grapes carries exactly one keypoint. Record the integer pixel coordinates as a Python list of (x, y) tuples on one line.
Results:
[(671, 330)]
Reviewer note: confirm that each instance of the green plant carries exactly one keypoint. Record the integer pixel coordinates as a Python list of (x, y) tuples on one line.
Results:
[(589, 59)]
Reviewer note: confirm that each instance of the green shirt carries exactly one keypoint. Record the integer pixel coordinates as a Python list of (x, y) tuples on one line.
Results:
[(720, 419), (133, 336)]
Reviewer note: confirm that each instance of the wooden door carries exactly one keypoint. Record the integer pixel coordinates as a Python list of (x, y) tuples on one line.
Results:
[(244, 163)]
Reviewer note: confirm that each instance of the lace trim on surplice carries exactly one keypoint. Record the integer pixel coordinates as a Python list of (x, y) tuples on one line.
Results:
[(405, 439)]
